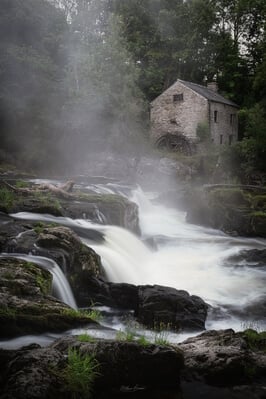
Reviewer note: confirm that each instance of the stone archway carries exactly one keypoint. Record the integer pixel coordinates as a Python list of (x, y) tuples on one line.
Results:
[(175, 142)]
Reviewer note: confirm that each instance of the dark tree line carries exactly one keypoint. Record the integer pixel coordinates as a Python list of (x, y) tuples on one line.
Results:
[(77, 75)]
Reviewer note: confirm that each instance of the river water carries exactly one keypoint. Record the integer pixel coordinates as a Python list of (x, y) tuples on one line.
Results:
[(182, 255)]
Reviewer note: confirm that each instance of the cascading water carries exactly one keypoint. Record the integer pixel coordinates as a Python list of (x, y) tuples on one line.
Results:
[(186, 257), (60, 287)]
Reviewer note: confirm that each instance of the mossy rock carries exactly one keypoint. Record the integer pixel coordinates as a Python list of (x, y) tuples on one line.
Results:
[(26, 304)]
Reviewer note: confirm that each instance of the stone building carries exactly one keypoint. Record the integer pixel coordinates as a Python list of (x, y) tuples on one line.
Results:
[(186, 110)]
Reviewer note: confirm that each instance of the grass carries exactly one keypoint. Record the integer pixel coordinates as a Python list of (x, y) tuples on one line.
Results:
[(255, 340), (46, 200), (7, 198), (161, 333), (127, 336), (80, 374), (21, 184), (85, 338), (94, 314)]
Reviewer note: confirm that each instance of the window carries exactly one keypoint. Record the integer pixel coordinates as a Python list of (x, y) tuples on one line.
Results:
[(232, 119), (178, 97), (221, 139), (215, 116)]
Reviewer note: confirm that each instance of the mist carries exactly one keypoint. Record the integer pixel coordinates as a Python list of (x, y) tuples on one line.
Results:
[(69, 93)]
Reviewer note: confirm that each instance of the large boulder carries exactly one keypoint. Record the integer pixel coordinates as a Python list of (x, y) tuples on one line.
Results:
[(153, 306), (170, 307)]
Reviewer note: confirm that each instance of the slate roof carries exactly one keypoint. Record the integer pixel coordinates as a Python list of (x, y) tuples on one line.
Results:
[(209, 94)]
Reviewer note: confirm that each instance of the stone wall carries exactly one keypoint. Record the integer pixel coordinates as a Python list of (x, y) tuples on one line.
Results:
[(223, 126), (169, 116), (188, 111)]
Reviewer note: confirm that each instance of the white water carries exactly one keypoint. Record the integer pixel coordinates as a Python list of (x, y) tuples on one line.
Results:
[(61, 287), (186, 257)]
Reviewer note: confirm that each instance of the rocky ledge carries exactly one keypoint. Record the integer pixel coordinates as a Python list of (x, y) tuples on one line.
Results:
[(235, 210), (26, 303), (48, 199)]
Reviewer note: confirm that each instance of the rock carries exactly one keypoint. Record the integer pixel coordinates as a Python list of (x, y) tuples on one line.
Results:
[(129, 364), (234, 210), (99, 208), (172, 307), (31, 373), (252, 257), (61, 244), (222, 358), (123, 368), (27, 306)]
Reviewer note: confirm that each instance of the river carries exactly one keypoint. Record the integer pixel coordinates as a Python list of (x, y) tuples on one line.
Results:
[(180, 255)]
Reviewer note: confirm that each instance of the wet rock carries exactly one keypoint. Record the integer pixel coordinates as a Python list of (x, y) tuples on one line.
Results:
[(222, 358), (252, 257), (176, 308), (61, 244), (129, 364), (27, 306), (123, 367)]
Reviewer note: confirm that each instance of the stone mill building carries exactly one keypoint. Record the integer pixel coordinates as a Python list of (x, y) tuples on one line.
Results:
[(185, 108)]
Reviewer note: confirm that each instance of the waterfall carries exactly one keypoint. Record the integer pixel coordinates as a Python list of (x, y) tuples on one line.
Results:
[(60, 287), (185, 256)]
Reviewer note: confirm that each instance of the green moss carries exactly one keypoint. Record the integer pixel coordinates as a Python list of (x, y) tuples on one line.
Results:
[(47, 200), (102, 198), (40, 226)]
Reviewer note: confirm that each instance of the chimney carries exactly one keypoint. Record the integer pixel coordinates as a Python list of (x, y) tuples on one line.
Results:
[(213, 86)]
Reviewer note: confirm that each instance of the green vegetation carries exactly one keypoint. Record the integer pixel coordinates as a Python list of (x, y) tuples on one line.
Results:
[(6, 312), (127, 335), (47, 200), (85, 338), (7, 198), (143, 341), (40, 226), (146, 47), (80, 374), (94, 315), (21, 184), (255, 340)]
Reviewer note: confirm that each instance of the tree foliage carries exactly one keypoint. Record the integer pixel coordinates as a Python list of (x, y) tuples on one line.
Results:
[(77, 75)]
